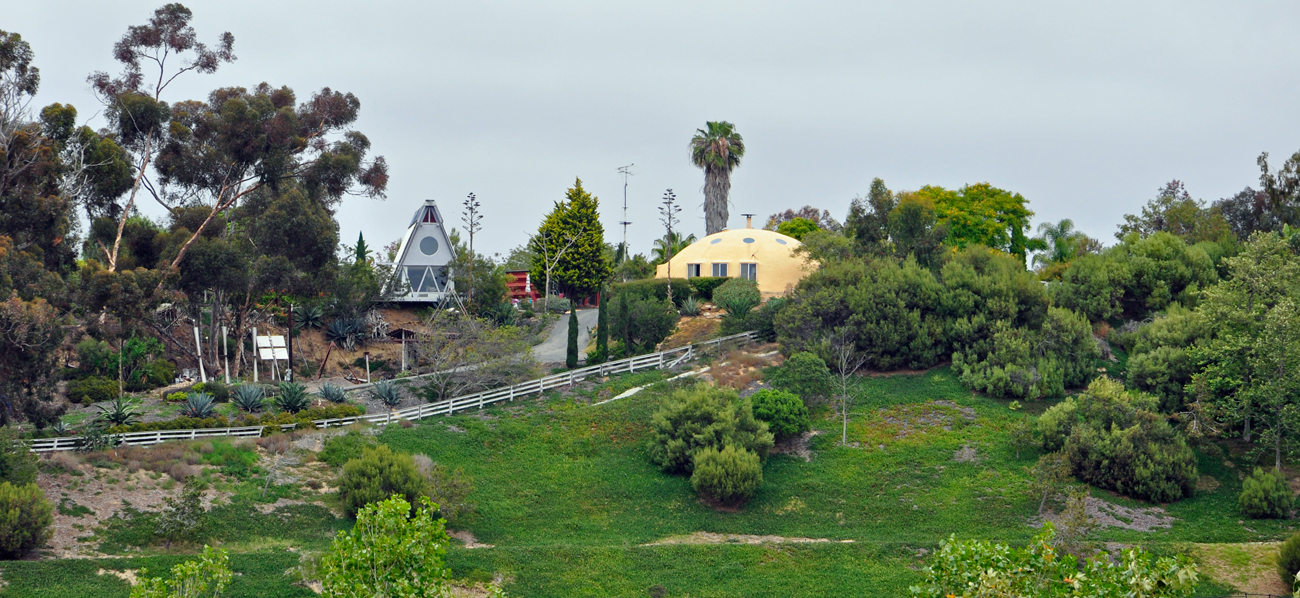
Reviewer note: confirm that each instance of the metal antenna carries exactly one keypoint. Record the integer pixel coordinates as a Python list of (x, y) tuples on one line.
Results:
[(626, 171)]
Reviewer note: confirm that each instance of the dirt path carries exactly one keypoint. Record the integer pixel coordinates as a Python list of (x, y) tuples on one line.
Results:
[(712, 538)]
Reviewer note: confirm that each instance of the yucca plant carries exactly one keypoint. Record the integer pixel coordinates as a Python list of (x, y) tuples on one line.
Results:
[(198, 405), (332, 393), (292, 397), (690, 307), (120, 412), (248, 397), (388, 392)]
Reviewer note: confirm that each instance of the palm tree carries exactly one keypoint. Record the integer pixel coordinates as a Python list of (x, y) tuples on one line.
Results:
[(717, 149), (1061, 241), (677, 244)]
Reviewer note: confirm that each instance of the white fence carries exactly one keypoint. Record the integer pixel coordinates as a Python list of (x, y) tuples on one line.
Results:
[(478, 400)]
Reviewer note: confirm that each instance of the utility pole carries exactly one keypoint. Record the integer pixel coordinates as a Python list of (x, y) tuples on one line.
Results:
[(626, 171)]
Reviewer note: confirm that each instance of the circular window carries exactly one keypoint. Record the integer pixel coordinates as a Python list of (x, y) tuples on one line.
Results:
[(748, 240), (428, 246), (715, 241), (781, 241)]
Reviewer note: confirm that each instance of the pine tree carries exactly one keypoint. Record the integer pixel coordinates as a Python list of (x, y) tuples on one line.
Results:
[(573, 237)]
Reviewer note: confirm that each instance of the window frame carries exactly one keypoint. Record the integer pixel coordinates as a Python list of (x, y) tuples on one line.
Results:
[(752, 275), (723, 267)]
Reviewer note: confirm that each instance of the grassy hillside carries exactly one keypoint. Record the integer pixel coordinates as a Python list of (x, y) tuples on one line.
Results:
[(572, 506)]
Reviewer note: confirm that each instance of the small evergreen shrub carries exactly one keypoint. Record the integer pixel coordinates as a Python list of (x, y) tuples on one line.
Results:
[(18, 464), (1265, 495), (654, 289), (803, 374), (728, 476), (25, 518), (176, 397), (376, 475), (705, 285), (341, 449), (160, 372), (1288, 560), (700, 417), (763, 320), (94, 389), (785, 413), (641, 324), (738, 296)]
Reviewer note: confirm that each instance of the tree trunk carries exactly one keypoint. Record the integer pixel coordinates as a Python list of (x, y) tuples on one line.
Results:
[(1277, 441), (717, 186), (126, 213)]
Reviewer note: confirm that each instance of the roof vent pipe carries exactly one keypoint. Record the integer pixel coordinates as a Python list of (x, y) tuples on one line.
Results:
[(749, 220)]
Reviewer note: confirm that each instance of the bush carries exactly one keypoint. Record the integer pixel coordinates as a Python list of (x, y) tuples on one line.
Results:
[(376, 475), (397, 548), (18, 464), (1265, 495), (785, 413), (803, 374), (94, 389), (448, 489), (1288, 560), (182, 518), (1120, 443), (728, 476), (341, 449), (690, 307), (176, 397), (705, 285), (701, 417), (220, 392), (1020, 362), (738, 296), (1055, 424), (160, 372), (25, 518), (654, 289), (763, 321), (641, 324)]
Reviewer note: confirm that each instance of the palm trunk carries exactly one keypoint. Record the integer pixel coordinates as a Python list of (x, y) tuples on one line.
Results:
[(717, 186)]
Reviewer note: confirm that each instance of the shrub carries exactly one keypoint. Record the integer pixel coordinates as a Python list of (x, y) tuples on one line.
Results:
[(763, 320), (397, 548), (333, 393), (248, 397), (387, 392), (182, 518), (1120, 443), (448, 489), (160, 372), (705, 285), (176, 397), (654, 289), (728, 476), (207, 576), (642, 323), (25, 518), (18, 464), (803, 374), (1020, 362), (1055, 424), (94, 390), (785, 413), (197, 405), (700, 417), (376, 475), (292, 397), (220, 392), (1288, 560), (341, 449), (1265, 495), (738, 296)]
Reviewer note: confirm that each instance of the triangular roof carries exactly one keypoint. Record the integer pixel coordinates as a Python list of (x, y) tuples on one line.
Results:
[(424, 256)]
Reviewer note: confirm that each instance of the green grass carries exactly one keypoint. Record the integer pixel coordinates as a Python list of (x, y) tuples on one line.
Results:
[(257, 575), (566, 493)]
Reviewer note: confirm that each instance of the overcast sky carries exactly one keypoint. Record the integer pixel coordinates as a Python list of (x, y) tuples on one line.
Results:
[(1086, 110)]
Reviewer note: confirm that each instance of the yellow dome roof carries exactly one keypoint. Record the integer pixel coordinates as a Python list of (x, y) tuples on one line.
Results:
[(777, 269)]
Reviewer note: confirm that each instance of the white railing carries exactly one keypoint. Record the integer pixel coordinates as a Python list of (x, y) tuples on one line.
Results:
[(67, 443), (478, 400)]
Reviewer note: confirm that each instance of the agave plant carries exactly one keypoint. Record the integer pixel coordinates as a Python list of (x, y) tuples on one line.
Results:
[(347, 332), (332, 393), (690, 307), (60, 428), (292, 397), (248, 397), (388, 392), (120, 412), (197, 405), (309, 316)]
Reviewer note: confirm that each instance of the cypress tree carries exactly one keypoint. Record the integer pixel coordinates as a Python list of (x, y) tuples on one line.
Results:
[(571, 360), (602, 331), (625, 319)]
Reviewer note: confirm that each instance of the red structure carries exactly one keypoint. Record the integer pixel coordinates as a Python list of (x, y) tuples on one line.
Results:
[(521, 286)]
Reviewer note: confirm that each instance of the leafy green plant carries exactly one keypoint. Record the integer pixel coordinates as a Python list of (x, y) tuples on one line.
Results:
[(182, 518), (205, 577), (738, 296), (176, 397), (292, 397), (338, 450), (332, 393), (376, 475), (728, 476), (785, 413), (309, 317), (804, 374), (18, 464), (120, 412), (346, 332), (198, 405), (391, 551), (27, 518), (93, 390), (1265, 495), (700, 417), (1288, 560), (387, 392), (983, 568), (250, 398)]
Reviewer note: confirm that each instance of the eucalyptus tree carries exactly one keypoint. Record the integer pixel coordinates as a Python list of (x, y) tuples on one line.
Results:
[(717, 149), (135, 109)]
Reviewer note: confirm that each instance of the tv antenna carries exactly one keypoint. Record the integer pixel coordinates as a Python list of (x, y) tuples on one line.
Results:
[(626, 171)]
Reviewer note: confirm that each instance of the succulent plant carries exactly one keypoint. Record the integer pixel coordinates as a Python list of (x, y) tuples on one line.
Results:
[(198, 405), (248, 397), (388, 392), (120, 412), (292, 397), (332, 393), (690, 307)]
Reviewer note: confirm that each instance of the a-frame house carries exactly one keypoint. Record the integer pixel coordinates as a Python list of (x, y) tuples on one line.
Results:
[(423, 264)]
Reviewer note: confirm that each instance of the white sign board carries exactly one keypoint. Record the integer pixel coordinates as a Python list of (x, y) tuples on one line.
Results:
[(272, 348)]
